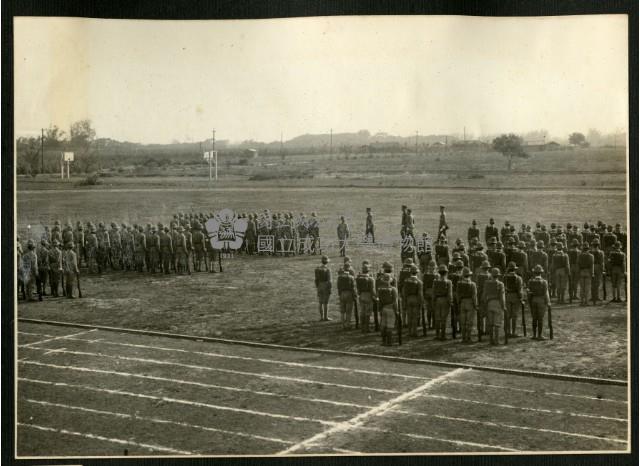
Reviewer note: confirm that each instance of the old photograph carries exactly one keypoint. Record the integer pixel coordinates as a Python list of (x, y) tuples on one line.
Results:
[(350, 235)]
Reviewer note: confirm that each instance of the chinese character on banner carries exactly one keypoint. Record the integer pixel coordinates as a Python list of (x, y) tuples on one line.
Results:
[(286, 245), (406, 242), (307, 244), (424, 244), (265, 243)]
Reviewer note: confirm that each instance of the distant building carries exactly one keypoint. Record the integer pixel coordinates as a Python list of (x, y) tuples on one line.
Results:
[(251, 153)]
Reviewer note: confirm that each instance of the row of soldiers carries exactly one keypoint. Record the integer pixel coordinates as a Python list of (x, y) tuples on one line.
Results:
[(37, 267), (408, 300), (570, 262)]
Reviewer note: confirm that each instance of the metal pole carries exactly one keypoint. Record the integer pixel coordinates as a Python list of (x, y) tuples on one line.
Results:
[(68, 164), (331, 141), (216, 156), (213, 151), (42, 151), (62, 166)]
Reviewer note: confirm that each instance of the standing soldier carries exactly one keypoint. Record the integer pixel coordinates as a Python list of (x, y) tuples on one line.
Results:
[(166, 250), (347, 294), (586, 271), (369, 230), (442, 223), (388, 299), (153, 248), (303, 234), (425, 253), (442, 251), (323, 288), (55, 232), (55, 267), (481, 278), (608, 240), (544, 236), (494, 300), (478, 257), (490, 232), (412, 299), (366, 287), (410, 225), (560, 270), (473, 232), (140, 248), (405, 273), (46, 235), (43, 267), (314, 233), (251, 237), (519, 256), (91, 250), (498, 258), (443, 299), (513, 298), (467, 298), (427, 291), (505, 232), (199, 245), (403, 222), (188, 237), (343, 236), (621, 236), (617, 269), (539, 301), (573, 254), (67, 233), (70, 269), (180, 247), (537, 256), (115, 250), (103, 247), (30, 270), (78, 240), (598, 270), (127, 247)]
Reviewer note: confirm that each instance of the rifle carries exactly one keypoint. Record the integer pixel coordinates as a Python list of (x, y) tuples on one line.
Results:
[(220, 259), (524, 321), (424, 323), (375, 315), (78, 283), (570, 288), (507, 326), (480, 323), (453, 319), (64, 290), (399, 319), (550, 322), (355, 311), (604, 286)]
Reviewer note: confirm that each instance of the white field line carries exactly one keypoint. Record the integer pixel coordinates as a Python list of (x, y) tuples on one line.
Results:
[(439, 439), (61, 337), (217, 369), (177, 401), (379, 410), (193, 383), (158, 421), (509, 426), (525, 390), (247, 358), (525, 408), (106, 439)]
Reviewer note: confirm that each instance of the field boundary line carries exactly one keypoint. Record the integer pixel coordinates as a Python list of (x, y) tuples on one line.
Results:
[(177, 401), (538, 374), (157, 421), (104, 439), (55, 338), (379, 410), (193, 383)]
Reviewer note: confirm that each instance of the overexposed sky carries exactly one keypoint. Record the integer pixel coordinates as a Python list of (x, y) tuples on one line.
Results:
[(158, 81)]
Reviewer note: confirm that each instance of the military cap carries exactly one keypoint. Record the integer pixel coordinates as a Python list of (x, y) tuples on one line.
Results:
[(414, 268), (404, 206), (537, 224), (365, 266), (57, 223), (493, 240), (521, 245), (485, 265), (347, 259), (30, 243), (595, 242), (585, 246), (442, 207), (368, 209), (491, 221), (495, 272), (80, 227), (511, 240), (617, 245), (431, 263), (511, 266), (466, 272), (313, 214), (180, 228), (574, 242), (618, 225), (458, 263), (346, 267), (568, 226), (558, 245), (538, 269), (506, 222), (544, 228), (408, 261), (387, 266), (113, 225), (160, 226), (609, 227), (69, 245), (456, 255), (458, 240), (153, 228), (100, 225), (553, 225), (540, 244), (409, 210), (443, 268), (473, 222), (56, 242)]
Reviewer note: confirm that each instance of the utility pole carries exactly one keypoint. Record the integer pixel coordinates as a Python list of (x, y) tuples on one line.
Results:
[(213, 154), (416, 143), (331, 141), (42, 151)]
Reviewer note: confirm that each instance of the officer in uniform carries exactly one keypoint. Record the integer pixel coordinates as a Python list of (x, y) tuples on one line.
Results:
[(467, 298), (480, 280), (115, 247), (560, 270), (388, 299), (617, 269), (343, 236), (491, 231), (323, 287), (314, 233), (500, 258), (586, 271), (428, 277), (443, 299), (442, 251), (442, 223), (539, 301), (505, 232), (513, 297), (369, 230), (366, 287), (347, 294), (70, 269), (494, 300), (473, 232), (402, 277), (598, 270), (573, 254), (403, 222), (410, 225), (412, 299)]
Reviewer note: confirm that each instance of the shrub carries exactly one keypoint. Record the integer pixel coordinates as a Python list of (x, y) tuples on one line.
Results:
[(92, 180)]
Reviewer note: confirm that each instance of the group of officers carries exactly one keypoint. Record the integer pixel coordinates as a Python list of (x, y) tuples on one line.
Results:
[(488, 285)]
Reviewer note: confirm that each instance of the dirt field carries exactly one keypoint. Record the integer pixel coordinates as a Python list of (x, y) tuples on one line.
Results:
[(88, 392)]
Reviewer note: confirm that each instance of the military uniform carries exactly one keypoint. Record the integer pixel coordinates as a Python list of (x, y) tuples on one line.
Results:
[(115, 249), (467, 298), (369, 229), (388, 298), (29, 270), (490, 232), (442, 253), (343, 236), (494, 299), (481, 277), (598, 271), (573, 254), (366, 287), (561, 270), (347, 294), (473, 232), (443, 299), (513, 284), (617, 269), (180, 248), (55, 268), (586, 271), (412, 299), (199, 245), (166, 250), (323, 287), (43, 267), (140, 249), (539, 301), (153, 250), (427, 293), (70, 269)]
